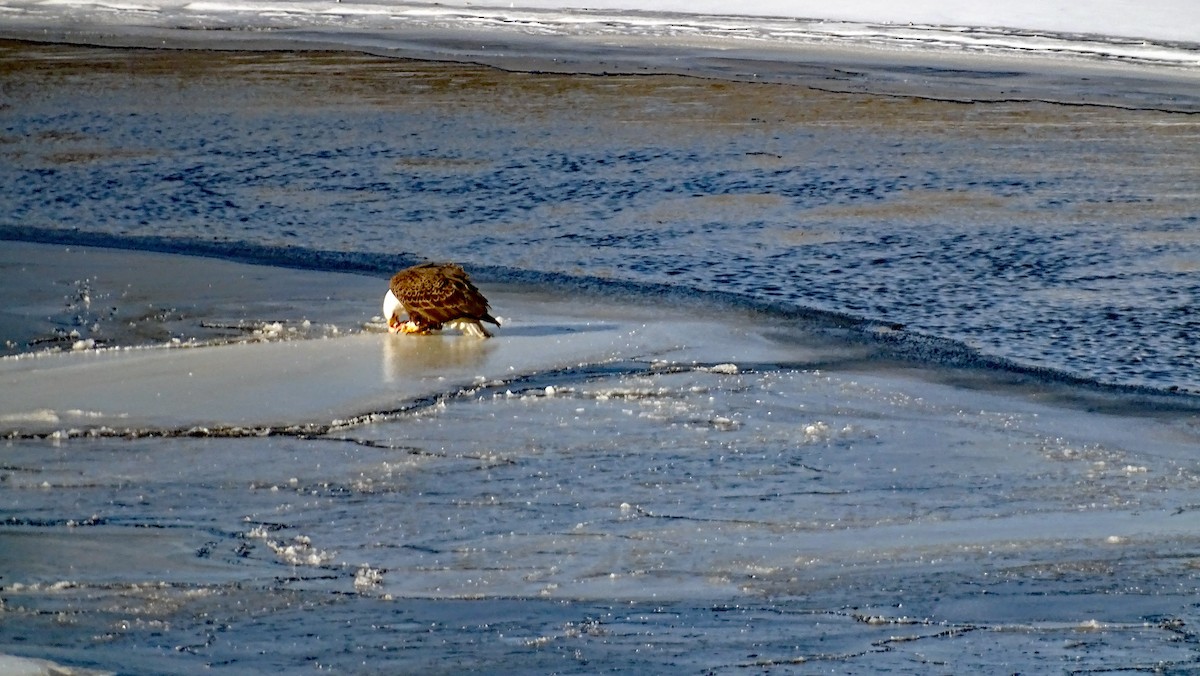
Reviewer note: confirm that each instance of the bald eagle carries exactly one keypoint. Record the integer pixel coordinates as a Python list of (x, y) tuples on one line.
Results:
[(436, 295)]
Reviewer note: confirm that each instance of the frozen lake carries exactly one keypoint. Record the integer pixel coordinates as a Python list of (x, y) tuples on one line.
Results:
[(790, 380)]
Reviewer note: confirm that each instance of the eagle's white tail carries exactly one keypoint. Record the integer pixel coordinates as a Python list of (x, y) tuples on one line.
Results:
[(469, 327)]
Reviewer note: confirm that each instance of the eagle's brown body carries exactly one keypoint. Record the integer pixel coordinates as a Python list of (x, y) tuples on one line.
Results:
[(436, 294)]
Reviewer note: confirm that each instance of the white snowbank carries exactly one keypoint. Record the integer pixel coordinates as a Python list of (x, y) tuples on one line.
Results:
[(1158, 33), (1159, 20)]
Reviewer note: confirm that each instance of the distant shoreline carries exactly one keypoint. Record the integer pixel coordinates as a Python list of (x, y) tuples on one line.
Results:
[(876, 67)]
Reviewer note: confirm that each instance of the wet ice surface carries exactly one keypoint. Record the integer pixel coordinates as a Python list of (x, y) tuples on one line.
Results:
[(1061, 237), (695, 496), (78, 298)]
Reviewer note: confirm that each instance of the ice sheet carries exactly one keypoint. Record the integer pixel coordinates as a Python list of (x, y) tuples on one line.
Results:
[(11, 665), (293, 384), (248, 387)]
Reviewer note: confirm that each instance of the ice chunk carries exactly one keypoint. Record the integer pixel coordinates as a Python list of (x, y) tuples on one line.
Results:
[(12, 665)]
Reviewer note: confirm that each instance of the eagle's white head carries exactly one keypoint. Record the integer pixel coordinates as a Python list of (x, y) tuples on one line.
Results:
[(391, 308)]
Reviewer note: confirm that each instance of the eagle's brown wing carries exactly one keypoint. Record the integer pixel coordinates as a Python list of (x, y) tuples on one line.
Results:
[(435, 293)]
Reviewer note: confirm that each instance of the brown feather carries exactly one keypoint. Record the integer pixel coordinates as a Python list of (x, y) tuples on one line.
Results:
[(435, 293)]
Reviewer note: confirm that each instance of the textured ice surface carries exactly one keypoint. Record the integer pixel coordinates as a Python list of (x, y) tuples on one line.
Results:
[(779, 516)]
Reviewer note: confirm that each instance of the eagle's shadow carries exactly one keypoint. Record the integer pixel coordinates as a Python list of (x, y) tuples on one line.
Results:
[(403, 356), (543, 330)]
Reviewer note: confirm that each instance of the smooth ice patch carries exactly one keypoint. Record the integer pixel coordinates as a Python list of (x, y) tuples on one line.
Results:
[(12, 665)]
